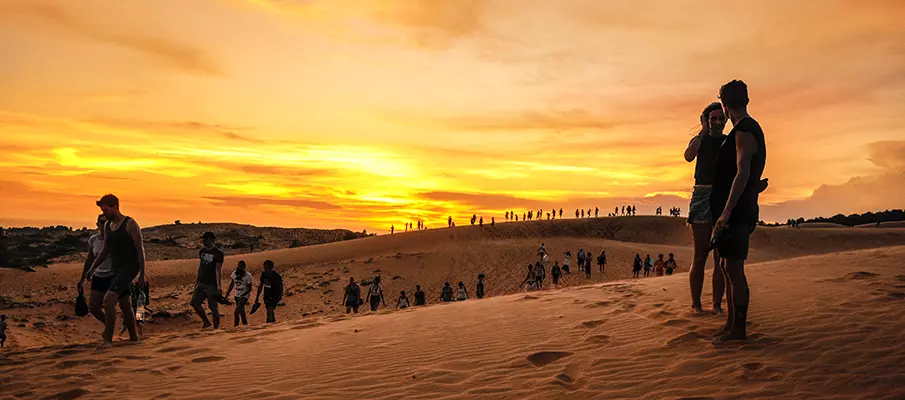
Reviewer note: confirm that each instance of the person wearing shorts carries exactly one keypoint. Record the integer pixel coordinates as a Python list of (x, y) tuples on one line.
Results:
[(272, 286), (242, 281), (207, 284), (375, 295), (734, 203), (123, 243), (103, 275), (636, 266), (352, 296)]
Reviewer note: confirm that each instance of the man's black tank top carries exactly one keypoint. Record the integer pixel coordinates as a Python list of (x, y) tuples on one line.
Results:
[(746, 211), (705, 169), (123, 254)]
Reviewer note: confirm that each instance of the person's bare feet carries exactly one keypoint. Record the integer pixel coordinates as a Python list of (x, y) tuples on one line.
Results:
[(717, 310), (723, 331), (206, 325), (697, 310), (105, 345), (731, 337)]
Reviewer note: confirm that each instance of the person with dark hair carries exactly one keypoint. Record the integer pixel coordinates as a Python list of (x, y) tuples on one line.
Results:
[(648, 265), (507, 215), (555, 272), (271, 283), (352, 296), (576, 213), (733, 202), (242, 281), (392, 229), (539, 274), (560, 213), (516, 217), (671, 264), (461, 292), (704, 148), (420, 299), (596, 212), (530, 278), (601, 261), (103, 275), (587, 265), (582, 212), (479, 287), (375, 295), (481, 222), (581, 257), (492, 221), (403, 301), (634, 211), (207, 283), (623, 210), (636, 266), (449, 222), (659, 266), (446, 294), (2, 330), (567, 262), (124, 245)]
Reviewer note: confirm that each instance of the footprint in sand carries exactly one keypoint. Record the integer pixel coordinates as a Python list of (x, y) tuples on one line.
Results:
[(529, 297), (542, 358), (208, 359), (860, 275), (172, 349), (599, 339), (677, 322), (686, 337), (599, 304), (592, 324)]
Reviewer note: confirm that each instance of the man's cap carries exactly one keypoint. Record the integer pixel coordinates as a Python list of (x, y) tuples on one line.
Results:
[(208, 235), (108, 200)]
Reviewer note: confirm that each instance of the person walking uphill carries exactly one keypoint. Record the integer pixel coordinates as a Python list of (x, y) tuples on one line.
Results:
[(736, 188), (207, 284), (271, 282), (375, 295), (352, 296), (243, 282), (124, 245)]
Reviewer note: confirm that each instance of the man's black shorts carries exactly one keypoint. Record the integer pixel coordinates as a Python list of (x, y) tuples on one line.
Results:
[(733, 242)]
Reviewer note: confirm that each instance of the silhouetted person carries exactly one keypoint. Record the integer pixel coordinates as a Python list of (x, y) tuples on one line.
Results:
[(450, 222), (516, 218), (576, 213), (375, 295), (420, 299), (587, 266), (556, 272), (352, 296), (548, 216), (736, 188), (492, 221), (481, 223), (479, 287), (596, 212), (623, 210), (446, 294), (634, 211), (560, 213), (507, 215), (271, 283), (392, 229), (582, 213), (616, 211), (540, 213), (636, 266), (648, 265), (601, 261), (581, 257)]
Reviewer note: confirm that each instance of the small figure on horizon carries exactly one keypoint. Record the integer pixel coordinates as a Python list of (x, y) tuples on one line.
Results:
[(446, 294), (634, 211), (548, 216), (461, 292), (449, 221), (636, 266), (560, 213), (516, 218), (403, 301), (479, 287), (392, 229), (616, 211), (596, 212), (589, 213), (481, 223), (492, 221), (507, 215), (474, 218), (420, 299), (623, 210), (576, 213), (582, 213)]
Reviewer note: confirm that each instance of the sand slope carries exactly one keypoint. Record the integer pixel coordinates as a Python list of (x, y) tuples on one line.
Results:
[(40, 303), (823, 327)]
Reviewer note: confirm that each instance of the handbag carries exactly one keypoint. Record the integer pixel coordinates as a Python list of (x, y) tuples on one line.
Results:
[(81, 306)]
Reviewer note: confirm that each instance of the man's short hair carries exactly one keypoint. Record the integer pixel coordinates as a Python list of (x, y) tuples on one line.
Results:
[(108, 200), (734, 94), (268, 263)]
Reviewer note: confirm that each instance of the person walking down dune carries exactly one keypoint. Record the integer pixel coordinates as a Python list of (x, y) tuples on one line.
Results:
[(659, 266), (479, 287), (100, 282), (461, 292), (539, 275), (648, 265), (555, 272), (352, 296), (2, 330), (529, 278), (587, 266), (581, 257), (636, 266), (733, 202), (670, 265), (242, 281), (271, 283), (375, 295), (207, 284), (601, 261), (403, 301), (124, 245), (567, 262), (420, 299), (446, 294)]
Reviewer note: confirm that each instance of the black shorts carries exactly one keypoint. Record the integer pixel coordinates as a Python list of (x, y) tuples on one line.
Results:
[(121, 282), (733, 242), (101, 284), (271, 302), (205, 292)]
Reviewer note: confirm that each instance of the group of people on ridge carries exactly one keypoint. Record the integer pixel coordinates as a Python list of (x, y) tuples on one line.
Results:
[(352, 297)]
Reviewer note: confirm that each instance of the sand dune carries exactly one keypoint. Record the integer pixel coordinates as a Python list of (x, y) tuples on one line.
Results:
[(39, 303), (822, 327)]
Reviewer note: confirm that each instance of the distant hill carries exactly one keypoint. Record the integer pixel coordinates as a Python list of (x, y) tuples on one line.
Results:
[(31, 247), (867, 218)]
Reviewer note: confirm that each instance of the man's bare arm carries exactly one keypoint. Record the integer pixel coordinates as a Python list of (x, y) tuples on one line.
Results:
[(745, 147), (219, 274), (135, 232)]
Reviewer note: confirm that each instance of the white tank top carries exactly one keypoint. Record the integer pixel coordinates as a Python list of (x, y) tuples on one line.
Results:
[(105, 270)]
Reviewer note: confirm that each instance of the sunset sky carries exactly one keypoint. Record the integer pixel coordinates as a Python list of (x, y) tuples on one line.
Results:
[(362, 114)]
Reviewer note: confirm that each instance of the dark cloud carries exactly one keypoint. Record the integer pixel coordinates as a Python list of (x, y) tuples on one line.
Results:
[(166, 52), (239, 201)]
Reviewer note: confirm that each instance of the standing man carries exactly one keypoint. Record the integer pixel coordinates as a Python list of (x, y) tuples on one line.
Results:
[(739, 168), (272, 284), (123, 244), (352, 296), (207, 285), (100, 281), (420, 300)]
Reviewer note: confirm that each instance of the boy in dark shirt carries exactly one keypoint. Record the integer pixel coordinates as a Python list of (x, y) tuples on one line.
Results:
[(272, 286), (207, 285), (420, 300)]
